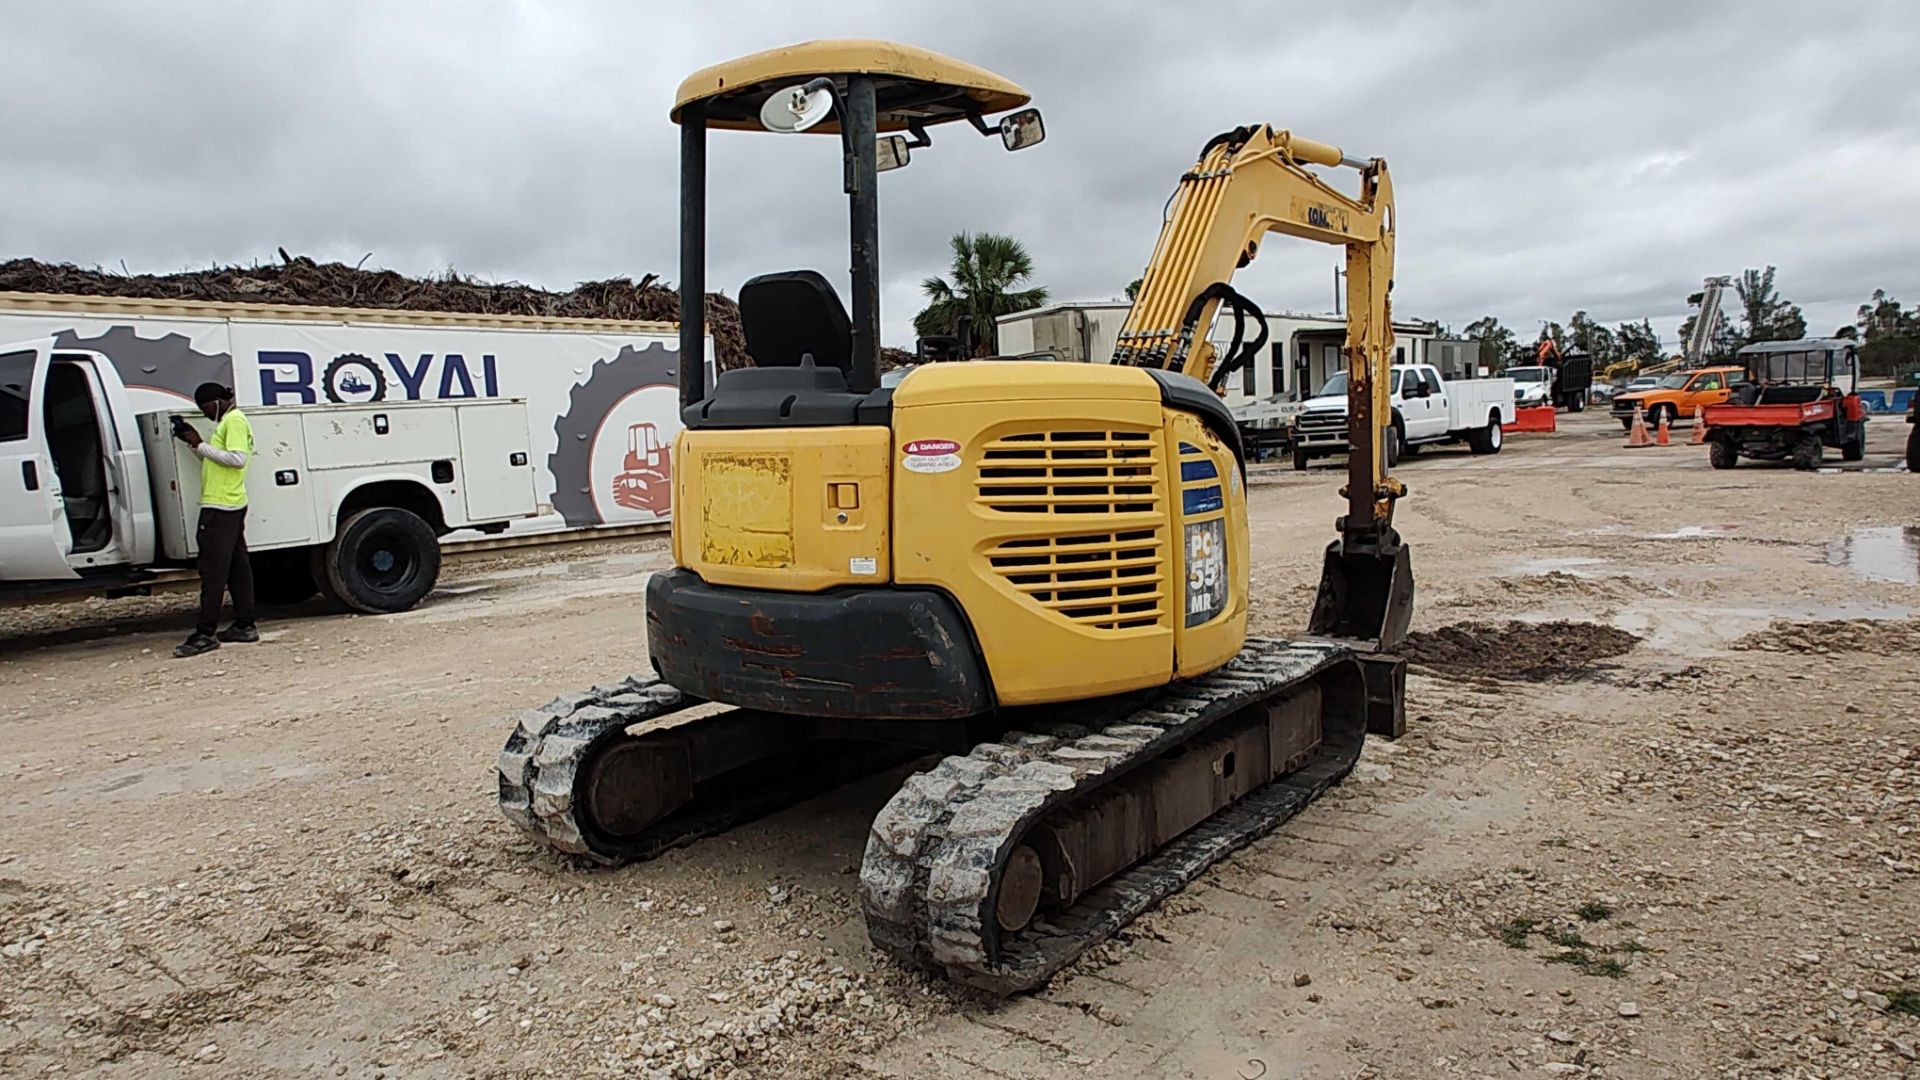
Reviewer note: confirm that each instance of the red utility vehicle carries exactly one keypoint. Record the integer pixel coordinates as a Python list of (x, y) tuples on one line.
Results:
[(1799, 398)]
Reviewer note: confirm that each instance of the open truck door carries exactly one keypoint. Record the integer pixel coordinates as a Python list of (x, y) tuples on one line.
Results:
[(34, 539)]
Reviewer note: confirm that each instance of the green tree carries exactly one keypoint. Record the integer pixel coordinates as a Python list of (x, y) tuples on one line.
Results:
[(1891, 336), (1592, 338), (1768, 316), (1133, 289), (988, 270), (1497, 345), (1638, 341)]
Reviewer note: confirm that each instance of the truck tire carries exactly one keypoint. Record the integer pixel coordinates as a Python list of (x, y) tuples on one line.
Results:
[(1722, 454), (1578, 403), (1300, 459), (1396, 440), (1489, 439), (1807, 453), (283, 577), (382, 560), (1854, 447), (1913, 449)]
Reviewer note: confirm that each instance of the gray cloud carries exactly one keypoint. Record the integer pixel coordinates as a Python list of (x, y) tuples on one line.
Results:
[(1547, 157)]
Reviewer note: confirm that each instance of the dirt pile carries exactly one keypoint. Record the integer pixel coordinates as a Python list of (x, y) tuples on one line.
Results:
[(297, 279), (1840, 635), (1525, 651)]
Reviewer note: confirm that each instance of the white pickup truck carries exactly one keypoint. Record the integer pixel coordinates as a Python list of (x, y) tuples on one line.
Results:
[(1426, 411), (346, 500)]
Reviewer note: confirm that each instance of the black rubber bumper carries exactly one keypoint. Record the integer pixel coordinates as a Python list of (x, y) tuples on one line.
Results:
[(857, 653)]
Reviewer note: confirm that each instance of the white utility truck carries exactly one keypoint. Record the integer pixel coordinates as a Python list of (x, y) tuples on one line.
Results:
[(345, 500), (1427, 410)]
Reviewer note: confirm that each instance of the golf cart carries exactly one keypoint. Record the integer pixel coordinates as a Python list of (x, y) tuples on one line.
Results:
[(1799, 398)]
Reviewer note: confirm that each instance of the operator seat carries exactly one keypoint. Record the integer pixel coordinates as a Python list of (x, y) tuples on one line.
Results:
[(801, 342)]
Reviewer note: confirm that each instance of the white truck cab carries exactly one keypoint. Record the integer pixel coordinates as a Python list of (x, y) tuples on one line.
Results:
[(1427, 410), (347, 500)]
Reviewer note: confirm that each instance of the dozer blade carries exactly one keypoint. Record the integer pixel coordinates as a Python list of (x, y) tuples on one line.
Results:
[(1366, 592)]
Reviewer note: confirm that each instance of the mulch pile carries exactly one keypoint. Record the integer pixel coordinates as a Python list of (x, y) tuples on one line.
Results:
[(297, 279)]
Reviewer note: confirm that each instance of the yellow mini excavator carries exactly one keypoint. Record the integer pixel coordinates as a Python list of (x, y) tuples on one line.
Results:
[(1039, 569)]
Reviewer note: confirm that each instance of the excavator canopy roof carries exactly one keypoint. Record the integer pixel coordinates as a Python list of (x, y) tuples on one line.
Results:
[(911, 85)]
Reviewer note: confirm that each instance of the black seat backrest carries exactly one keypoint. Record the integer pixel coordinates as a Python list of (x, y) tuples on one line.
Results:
[(1800, 394), (793, 314)]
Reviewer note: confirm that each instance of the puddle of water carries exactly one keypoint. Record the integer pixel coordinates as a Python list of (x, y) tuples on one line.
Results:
[(1883, 553), (1684, 532), (1697, 629)]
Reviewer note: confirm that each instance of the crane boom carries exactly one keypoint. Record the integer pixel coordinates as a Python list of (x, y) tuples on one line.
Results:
[(1247, 183)]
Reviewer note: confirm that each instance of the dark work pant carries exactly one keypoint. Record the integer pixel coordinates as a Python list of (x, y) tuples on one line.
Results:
[(224, 566)]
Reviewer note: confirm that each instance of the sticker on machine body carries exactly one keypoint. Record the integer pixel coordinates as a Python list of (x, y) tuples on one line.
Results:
[(930, 455)]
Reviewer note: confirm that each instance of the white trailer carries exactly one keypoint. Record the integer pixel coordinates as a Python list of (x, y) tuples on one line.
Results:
[(350, 501), (602, 397)]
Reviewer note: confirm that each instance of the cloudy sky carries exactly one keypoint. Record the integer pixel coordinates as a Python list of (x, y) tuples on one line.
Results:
[(1547, 156)]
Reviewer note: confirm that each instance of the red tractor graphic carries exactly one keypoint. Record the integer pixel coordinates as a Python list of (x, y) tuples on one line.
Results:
[(646, 481)]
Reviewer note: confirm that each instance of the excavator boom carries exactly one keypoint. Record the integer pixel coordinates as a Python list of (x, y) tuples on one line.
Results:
[(1247, 183)]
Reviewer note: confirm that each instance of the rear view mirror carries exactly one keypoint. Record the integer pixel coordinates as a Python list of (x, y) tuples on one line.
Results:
[(892, 153), (1022, 129)]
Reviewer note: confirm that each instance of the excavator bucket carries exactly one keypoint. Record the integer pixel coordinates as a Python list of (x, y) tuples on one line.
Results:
[(1366, 592)]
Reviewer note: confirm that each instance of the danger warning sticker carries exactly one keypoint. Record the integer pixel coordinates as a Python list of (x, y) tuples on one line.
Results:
[(930, 456)]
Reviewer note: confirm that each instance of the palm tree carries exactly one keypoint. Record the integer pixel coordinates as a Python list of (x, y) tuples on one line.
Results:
[(987, 268)]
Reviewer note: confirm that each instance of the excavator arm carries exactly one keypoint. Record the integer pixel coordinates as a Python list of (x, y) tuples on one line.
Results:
[(1247, 183)]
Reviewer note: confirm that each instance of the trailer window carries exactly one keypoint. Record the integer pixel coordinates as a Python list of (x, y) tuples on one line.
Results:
[(16, 387)]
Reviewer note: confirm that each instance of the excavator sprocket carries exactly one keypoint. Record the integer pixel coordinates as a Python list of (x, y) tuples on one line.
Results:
[(947, 848)]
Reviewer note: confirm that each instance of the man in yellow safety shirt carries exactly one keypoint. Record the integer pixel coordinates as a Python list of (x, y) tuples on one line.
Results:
[(223, 520)]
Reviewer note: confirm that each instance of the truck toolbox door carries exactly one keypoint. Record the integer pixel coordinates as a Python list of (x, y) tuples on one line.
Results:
[(34, 541)]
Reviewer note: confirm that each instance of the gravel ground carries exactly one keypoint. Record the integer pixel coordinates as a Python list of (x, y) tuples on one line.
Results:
[(1655, 816)]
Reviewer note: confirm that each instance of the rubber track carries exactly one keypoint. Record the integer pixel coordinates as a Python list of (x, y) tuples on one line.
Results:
[(936, 848), (539, 768)]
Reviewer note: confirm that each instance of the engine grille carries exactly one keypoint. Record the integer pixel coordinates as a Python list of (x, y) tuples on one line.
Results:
[(1102, 574), (1071, 472), (1322, 423), (1109, 580)]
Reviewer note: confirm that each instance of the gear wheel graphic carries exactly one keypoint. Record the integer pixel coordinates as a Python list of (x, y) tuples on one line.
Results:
[(588, 406), (167, 364), (353, 360)]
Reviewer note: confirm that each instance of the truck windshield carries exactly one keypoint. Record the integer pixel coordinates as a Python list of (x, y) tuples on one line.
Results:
[(16, 380), (1336, 384), (1674, 381), (1527, 374)]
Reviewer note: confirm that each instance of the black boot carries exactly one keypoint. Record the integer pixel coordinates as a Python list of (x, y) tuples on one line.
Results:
[(196, 644)]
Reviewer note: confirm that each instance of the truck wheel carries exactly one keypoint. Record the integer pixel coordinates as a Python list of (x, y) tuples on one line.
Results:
[(383, 560), (1578, 404), (282, 577), (1300, 459), (1913, 449), (1626, 423), (1722, 454), (1489, 439), (1807, 453), (1855, 448), (1395, 440)]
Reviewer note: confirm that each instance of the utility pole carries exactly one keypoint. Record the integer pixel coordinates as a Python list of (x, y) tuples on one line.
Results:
[(1338, 273)]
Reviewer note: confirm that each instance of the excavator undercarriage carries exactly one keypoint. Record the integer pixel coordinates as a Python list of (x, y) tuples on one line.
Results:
[(1052, 829)]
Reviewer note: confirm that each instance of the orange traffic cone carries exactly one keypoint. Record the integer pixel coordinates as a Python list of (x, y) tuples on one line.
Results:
[(1637, 437), (1699, 429), (1663, 440)]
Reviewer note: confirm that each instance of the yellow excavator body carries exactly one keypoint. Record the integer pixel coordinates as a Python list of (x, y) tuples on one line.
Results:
[(1039, 569)]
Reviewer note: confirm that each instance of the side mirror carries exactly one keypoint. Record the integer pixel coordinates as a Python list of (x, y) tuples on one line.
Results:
[(1022, 129), (892, 153)]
